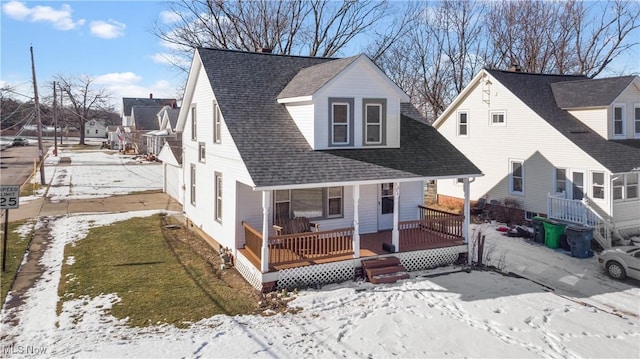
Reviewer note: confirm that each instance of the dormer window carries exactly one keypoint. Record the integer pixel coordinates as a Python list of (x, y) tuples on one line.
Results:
[(341, 121), (374, 121), (618, 120)]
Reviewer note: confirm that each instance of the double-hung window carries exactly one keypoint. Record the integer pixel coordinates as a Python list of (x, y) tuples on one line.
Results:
[(217, 123), (618, 120), (193, 184), (631, 184), (202, 153), (463, 123), (597, 185), (516, 177), (497, 118), (560, 186), (374, 111), (340, 121), (309, 202), (218, 192), (625, 186), (194, 125)]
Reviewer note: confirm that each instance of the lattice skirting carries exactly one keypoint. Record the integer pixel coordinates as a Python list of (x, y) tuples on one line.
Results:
[(301, 277), (430, 258), (248, 271)]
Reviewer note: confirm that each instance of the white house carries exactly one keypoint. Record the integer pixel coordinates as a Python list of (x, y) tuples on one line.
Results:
[(272, 139), (167, 118), (564, 146), (95, 129)]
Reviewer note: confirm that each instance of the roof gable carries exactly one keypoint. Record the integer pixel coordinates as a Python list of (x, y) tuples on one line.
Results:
[(129, 102), (146, 117)]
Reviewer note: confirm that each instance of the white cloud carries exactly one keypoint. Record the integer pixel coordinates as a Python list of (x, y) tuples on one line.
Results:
[(109, 29), (169, 17), (118, 78), (128, 84), (61, 19), (171, 59)]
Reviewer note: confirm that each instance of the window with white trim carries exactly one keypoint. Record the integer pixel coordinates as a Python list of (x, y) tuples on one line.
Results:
[(218, 192), (373, 120), (463, 124), (516, 177), (217, 123), (636, 119), (340, 124), (498, 118), (309, 202), (597, 185), (193, 184), (560, 184), (194, 126), (618, 120), (202, 153), (618, 188), (631, 185)]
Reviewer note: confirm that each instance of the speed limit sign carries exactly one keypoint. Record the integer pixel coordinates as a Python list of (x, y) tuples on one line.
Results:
[(9, 197)]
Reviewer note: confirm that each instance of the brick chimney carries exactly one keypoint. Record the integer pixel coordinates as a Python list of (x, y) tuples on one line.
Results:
[(515, 68), (264, 50), (151, 96)]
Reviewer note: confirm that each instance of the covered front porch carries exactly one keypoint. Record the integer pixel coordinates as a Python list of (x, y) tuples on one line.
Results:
[(435, 229)]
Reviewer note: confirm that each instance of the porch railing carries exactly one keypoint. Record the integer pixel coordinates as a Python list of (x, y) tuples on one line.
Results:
[(570, 210), (432, 213), (310, 245), (431, 231), (253, 240)]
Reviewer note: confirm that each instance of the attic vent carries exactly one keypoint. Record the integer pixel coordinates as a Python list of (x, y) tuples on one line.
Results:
[(578, 130)]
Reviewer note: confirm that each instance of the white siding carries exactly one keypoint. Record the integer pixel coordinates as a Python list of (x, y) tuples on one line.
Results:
[(173, 182), (596, 119), (630, 97), (525, 137), (222, 158), (302, 115), (359, 82), (627, 214)]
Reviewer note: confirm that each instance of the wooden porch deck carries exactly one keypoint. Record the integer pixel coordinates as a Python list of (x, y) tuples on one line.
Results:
[(371, 245)]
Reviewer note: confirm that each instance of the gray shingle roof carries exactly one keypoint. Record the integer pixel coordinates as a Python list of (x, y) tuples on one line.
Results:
[(129, 102), (535, 90), (146, 117), (276, 153), (175, 144), (311, 79), (589, 92)]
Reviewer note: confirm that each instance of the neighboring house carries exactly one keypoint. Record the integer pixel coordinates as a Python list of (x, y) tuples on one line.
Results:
[(269, 138), (564, 146), (171, 157), (167, 119), (95, 129), (129, 102)]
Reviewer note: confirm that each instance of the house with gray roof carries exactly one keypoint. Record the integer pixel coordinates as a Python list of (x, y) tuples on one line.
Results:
[(129, 102), (302, 168), (566, 147)]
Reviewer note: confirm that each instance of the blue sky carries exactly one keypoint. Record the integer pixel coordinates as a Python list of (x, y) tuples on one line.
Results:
[(107, 40)]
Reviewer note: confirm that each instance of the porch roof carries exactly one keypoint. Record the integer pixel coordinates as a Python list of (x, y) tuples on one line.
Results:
[(276, 153)]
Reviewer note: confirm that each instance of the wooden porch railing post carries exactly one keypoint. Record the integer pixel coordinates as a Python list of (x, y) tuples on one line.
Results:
[(266, 203)]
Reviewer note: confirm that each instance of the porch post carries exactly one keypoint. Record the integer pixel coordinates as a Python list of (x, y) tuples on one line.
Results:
[(356, 222), (266, 204), (467, 214), (395, 234)]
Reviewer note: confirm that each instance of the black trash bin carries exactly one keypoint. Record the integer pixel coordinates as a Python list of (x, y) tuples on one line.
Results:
[(579, 239), (538, 229)]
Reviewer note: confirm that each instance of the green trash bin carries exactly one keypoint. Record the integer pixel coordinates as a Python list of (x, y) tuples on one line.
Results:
[(552, 232)]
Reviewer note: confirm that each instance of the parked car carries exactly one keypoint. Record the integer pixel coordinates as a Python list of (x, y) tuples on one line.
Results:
[(19, 141), (620, 262)]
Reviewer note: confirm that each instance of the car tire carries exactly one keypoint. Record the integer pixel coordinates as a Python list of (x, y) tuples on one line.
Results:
[(615, 270)]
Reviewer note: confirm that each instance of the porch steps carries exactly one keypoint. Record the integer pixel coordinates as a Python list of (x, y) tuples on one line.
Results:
[(384, 270)]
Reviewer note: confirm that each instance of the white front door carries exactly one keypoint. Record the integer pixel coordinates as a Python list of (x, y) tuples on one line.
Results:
[(385, 206)]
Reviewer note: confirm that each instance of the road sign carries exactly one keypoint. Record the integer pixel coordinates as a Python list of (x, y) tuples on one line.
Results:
[(9, 197)]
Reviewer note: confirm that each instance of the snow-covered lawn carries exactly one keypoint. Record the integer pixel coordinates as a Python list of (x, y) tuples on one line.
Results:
[(568, 308)]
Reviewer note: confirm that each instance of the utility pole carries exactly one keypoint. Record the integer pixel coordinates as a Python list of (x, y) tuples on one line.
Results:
[(38, 119), (61, 110), (55, 122)]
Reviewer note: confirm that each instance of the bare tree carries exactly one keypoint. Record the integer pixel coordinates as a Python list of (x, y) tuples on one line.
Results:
[(84, 97), (297, 27)]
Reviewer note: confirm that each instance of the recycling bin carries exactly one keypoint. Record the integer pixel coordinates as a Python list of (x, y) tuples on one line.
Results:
[(538, 229), (553, 231), (579, 239)]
